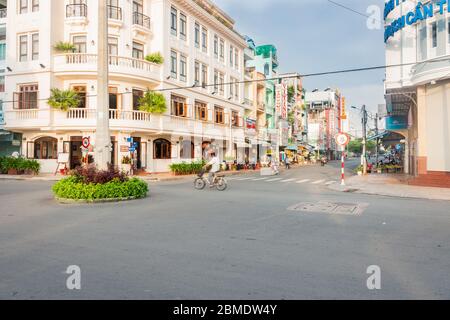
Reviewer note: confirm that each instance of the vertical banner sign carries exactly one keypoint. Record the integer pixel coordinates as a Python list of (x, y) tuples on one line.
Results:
[(278, 98), (284, 101), (343, 109)]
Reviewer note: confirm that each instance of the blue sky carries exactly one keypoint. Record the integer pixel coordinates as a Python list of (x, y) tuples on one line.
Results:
[(315, 36)]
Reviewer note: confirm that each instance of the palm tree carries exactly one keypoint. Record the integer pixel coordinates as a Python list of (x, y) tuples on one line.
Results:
[(63, 99)]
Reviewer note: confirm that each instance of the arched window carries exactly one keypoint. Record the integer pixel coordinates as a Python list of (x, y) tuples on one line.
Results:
[(187, 150), (162, 149), (46, 148)]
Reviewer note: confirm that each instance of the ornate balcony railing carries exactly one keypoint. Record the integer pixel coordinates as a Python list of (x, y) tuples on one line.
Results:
[(114, 13), (141, 20), (76, 10), (84, 62), (248, 102), (114, 114)]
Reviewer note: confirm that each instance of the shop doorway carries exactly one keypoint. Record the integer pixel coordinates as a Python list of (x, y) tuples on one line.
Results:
[(76, 155), (137, 156)]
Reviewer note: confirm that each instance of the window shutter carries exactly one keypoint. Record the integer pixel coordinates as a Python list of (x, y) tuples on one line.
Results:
[(30, 150), (16, 98)]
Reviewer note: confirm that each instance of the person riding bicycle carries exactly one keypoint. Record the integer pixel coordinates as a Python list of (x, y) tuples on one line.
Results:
[(214, 163)]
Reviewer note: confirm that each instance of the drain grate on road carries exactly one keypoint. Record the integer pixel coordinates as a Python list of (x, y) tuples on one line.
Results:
[(338, 208)]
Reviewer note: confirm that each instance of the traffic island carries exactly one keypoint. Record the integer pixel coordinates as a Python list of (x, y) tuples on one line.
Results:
[(89, 185)]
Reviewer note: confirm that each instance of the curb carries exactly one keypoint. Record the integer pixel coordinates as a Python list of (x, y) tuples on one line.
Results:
[(95, 201), (359, 190)]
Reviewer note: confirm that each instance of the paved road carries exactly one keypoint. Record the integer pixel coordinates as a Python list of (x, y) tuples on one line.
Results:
[(240, 244)]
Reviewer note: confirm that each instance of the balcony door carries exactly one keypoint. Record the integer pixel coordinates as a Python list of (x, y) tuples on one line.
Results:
[(138, 6)]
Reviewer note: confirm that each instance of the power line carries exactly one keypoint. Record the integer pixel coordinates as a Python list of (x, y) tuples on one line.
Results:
[(298, 76), (349, 9)]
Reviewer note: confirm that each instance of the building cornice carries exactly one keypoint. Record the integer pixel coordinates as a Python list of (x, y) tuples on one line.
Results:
[(201, 13)]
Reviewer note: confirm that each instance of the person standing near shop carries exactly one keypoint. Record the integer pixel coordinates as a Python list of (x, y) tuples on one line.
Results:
[(287, 162)]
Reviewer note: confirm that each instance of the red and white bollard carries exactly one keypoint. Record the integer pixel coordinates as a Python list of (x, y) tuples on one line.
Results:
[(343, 169)]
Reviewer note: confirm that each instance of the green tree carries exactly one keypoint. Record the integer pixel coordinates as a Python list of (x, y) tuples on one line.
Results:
[(355, 146), (291, 94), (153, 102), (63, 99), (291, 118)]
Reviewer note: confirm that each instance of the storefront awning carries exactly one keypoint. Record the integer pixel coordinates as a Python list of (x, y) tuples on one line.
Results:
[(378, 136)]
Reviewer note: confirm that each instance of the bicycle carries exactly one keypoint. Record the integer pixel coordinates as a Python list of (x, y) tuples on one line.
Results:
[(219, 182)]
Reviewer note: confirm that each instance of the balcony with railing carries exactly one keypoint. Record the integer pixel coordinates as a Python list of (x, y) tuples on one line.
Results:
[(85, 118), (27, 118), (248, 102), (141, 22), (115, 17), (69, 64), (76, 13)]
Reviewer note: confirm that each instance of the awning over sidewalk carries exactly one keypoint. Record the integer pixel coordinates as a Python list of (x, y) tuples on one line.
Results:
[(379, 136)]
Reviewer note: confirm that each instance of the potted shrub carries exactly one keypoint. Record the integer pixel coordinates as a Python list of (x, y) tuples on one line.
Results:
[(153, 102), (359, 170), (63, 99), (155, 57), (11, 165), (32, 167), (126, 164), (64, 47)]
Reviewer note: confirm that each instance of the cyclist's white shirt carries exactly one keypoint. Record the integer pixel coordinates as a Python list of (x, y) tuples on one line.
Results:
[(215, 163)]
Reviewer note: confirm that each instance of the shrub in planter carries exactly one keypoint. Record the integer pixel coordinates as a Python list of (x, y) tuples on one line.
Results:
[(187, 168), (153, 102), (19, 165), (64, 47), (3, 168), (90, 174), (155, 57), (74, 189)]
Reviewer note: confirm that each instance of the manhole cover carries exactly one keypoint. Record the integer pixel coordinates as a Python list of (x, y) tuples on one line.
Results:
[(340, 208)]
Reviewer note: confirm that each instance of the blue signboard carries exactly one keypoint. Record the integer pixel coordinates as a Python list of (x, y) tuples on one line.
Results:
[(421, 12), (396, 122)]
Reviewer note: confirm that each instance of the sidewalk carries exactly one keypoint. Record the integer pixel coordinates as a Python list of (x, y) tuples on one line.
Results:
[(153, 177), (40, 177), (390, 185)]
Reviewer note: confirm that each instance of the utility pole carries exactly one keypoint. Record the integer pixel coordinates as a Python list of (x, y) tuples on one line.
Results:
[(364, 125), (377, 139), (102, 135)]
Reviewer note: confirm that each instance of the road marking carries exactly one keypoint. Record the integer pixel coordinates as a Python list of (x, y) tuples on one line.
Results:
[(318, 181), (287, 180), (243, 179), (330, 182), (260, 179), (277, 179), (303, 181)]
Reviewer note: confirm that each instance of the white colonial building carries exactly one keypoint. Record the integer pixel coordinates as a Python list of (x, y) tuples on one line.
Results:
[(417, 37), (199, 46)]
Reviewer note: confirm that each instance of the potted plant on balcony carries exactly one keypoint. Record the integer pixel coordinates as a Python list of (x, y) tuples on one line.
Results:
[(155, 57), (126, 164), (63, 99), (153, 102), (64, 47)]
